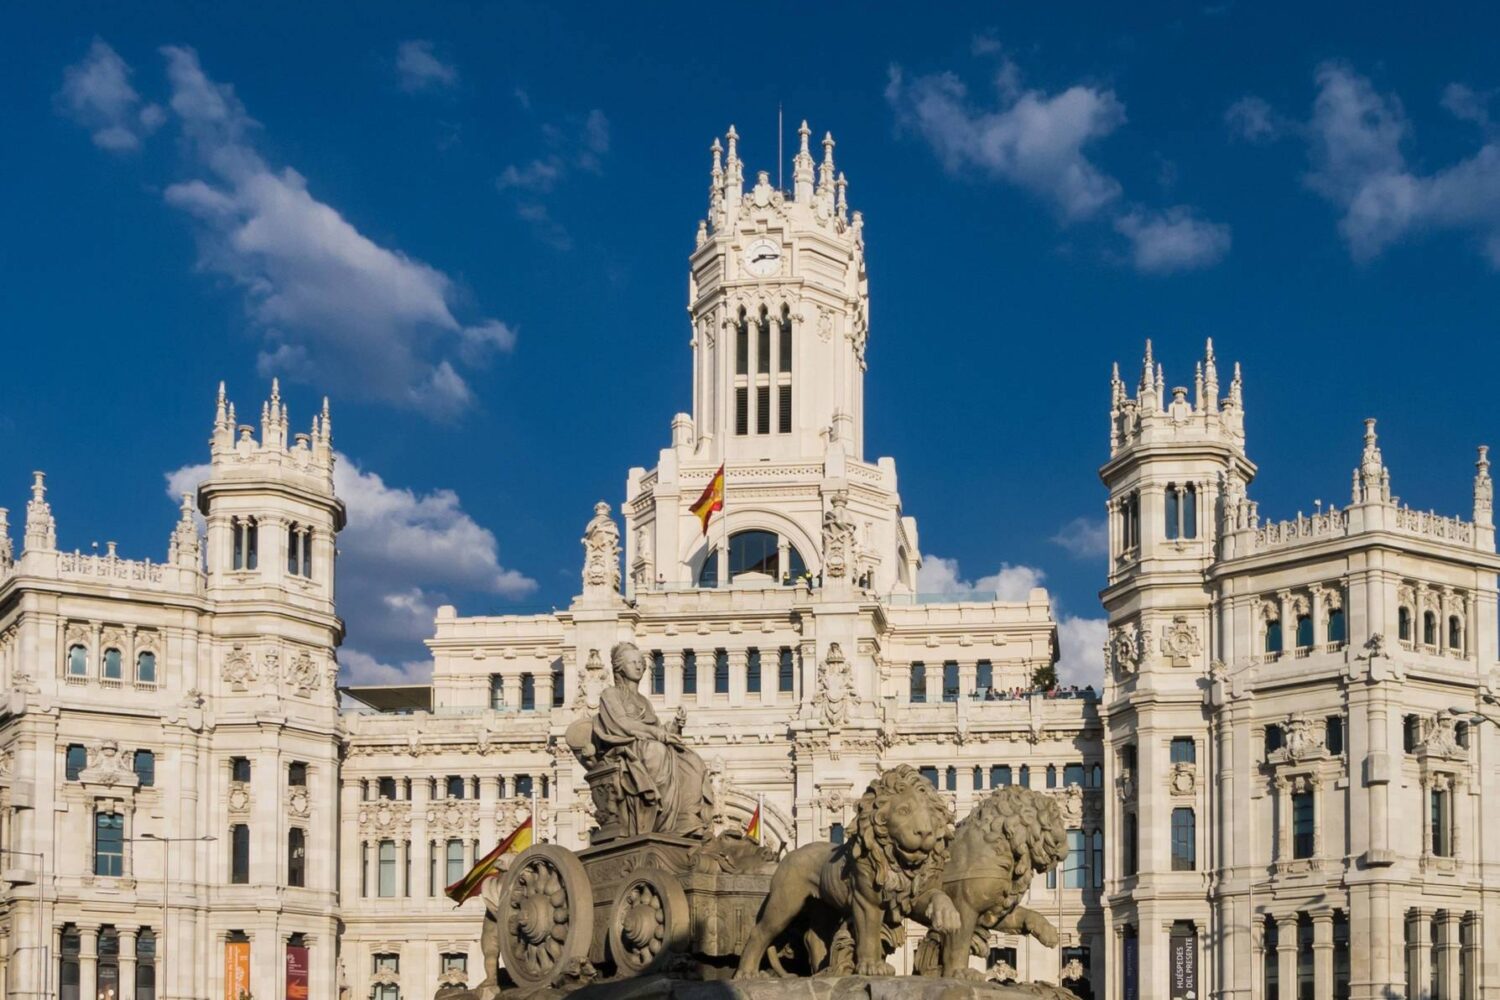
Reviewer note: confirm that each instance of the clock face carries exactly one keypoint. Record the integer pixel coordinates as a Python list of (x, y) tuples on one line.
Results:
[(763, 258)]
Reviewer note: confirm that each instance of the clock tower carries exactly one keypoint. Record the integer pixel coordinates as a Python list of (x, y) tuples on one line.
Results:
[(778, 301)]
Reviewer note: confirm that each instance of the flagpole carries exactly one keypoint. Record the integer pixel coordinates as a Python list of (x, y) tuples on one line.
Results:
[(760, 817), (535, 823)]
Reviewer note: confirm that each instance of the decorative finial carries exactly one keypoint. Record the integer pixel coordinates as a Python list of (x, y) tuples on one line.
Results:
[(718, 152), (1484, 489), (803, 133)]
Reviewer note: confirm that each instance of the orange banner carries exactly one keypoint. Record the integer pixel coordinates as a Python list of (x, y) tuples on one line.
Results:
[(236, 970)]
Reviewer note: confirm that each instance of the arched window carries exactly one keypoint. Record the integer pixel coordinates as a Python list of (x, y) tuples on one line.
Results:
[(1336, 625), (1429, 628), (785, 366), (1455, 633), (109, 844), (296, 857), (1273, 636), (1184, 839), (1403, 623), (755, 551), (145, 667), (78, 661), (1025, 777), (1051, 775), (763, 343), (112, 668), (978, 778), (1174, 512), (784, 373), (950, 779), (742, 373), (1304, 631), (1096, 776)]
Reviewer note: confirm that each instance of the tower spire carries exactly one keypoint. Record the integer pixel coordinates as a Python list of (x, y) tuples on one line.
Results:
[(1210, 378), (41, 529), (802, 167), (825, 171), (1484, 490)]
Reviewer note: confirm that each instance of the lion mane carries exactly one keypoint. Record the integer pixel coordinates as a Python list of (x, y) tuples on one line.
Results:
[(1011, 820), (873, 851)]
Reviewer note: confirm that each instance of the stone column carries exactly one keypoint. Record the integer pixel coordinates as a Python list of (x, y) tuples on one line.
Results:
[(932, 676), (705, 668), (88, 961), (1288, 627), (739, 662), (1322, 953), (543, 688), (967, 670), (1320, 630), (1448, 970), (1471, 952), (127, 964), (673, 680), (1286, 953), (510, 684), (1418, 950)]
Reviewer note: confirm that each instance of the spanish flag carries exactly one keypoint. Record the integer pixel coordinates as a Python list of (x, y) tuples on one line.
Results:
[(468, 886), (752, 828), (711, 500)]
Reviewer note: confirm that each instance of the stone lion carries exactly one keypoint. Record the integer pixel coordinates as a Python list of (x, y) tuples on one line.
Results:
[(1009, 836), (884, 873)]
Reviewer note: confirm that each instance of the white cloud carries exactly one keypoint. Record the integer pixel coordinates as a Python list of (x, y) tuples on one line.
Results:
[(574, 144), (357, 667), (401, 554), (1356, 137), (1081, 652), (1253, 120), (418, 68), (1028, 138), (1011, 583), (1084, 537), (329, 302), (1172, 241), (97, 94)]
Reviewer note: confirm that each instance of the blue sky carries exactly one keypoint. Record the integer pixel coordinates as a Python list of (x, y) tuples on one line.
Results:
[(468, 224)]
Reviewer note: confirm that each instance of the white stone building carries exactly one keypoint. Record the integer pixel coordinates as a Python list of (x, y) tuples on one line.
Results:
[(1272, 786)]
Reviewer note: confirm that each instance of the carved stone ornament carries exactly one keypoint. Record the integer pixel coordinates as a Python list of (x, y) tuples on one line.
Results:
[(453, 816), (385, 817), (302, 673), (1070, 804), (1180, 642), (1124, 649), (1184, 779), (239, 669), (840, 549), (601, 554), (108, 766), (835, 687), (1072, 971), (1440, 739), (1003, 972), (239, 798), (297, 803)]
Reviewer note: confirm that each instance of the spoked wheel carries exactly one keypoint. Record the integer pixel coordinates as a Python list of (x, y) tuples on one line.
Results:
[(546, 915), (650, 921)]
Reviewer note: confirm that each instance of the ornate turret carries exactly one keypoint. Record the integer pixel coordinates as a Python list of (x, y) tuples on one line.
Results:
[(1372, 480), (41, 529), (1150, 417), (185, 547), (1484, 490)]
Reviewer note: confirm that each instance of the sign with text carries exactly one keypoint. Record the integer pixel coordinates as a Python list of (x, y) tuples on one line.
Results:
[(1132, 964), (296, 972), (1184, 965), (236, 970)]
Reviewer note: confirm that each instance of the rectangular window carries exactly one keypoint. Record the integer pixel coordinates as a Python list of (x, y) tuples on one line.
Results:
[(145, 768), (386, 789), (1442, 825), (784, 412), (742, 347), (1075, 867), (109, 844), (689, 672), (1334, 735), (658, 672), (1184, 840), (1128, 849), (239, 770), (559, 688), (1184, 750), (930, 774), (387, 962), (239, 854), (385, 882), (984, 677), (1098, 860), (453, 786), (999, 775), (918, 691), (721, 671), (454, 861), (950, 680), (741, 410), (296, 774), (763, 345), (145, 964), (752, 671), (1073, 775), (762, 409), (785, 346), (456, 962), (786, 674), (296, 857), (528, 693), (1302, 824), (523, 786), (497, 692)]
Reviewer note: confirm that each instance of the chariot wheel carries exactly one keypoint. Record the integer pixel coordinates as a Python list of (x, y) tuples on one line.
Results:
[(649, 922), (546, 920)]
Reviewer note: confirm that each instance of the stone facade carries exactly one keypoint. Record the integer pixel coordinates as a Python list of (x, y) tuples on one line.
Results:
[(1275, 696)]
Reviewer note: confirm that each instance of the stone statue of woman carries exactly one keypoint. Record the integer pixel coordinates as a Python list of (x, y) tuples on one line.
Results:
[(665, 784)]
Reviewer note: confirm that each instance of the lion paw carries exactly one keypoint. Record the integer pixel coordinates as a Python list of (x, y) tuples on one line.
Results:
[(874, 969)]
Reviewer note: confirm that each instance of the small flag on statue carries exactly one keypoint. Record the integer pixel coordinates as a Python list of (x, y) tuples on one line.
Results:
[(712, 499), (752, 828), (468, 886)]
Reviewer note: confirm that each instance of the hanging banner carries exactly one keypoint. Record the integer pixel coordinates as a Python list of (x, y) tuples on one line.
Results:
[(1184, 965), (1132, 967), (296, 972), (236, 970)]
